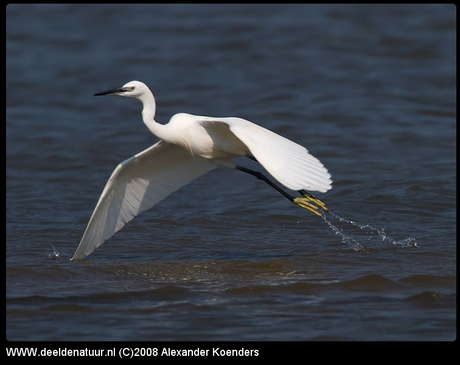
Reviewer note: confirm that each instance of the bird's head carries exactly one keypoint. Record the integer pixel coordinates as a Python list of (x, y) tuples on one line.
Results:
[(132, 89)]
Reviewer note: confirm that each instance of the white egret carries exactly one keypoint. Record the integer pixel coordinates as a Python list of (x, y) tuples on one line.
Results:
[(189, 147)]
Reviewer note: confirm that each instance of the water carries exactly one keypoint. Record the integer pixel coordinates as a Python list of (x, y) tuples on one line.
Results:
[(370, 90), (350, 241)]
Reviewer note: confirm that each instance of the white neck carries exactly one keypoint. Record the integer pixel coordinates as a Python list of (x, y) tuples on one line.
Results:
[(148, 115)]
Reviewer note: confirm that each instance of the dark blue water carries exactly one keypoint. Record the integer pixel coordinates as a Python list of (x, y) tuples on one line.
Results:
[(369, 90)]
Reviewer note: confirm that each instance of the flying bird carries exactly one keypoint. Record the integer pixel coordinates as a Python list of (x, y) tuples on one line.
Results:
[(189, 147)]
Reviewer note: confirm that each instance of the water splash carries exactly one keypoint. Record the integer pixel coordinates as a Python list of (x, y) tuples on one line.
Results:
[(351, 242), (53, 255)]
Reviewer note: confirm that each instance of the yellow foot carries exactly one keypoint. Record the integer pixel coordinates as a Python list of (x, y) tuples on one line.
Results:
[(303, 202), (313, 199)]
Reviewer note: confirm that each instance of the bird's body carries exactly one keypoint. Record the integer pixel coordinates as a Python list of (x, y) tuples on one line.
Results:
[(189, 147), (204, 137)]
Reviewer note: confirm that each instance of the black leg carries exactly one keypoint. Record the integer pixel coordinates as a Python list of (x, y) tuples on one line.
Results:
[(262, 177), (302, 202), (251, 157)]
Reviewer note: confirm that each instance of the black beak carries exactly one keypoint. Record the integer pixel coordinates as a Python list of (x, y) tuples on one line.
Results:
[(111, 91)]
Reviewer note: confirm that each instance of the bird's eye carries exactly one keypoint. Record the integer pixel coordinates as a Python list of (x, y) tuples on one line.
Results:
[(131, 88)]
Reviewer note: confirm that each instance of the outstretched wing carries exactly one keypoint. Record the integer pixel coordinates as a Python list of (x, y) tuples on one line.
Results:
[(287, 161), (136, 185)]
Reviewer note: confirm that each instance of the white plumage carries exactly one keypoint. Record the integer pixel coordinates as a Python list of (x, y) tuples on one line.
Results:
[(189, 147)]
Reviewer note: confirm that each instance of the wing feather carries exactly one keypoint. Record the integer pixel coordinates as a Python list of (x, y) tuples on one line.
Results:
[(288, 162), (137, 184)]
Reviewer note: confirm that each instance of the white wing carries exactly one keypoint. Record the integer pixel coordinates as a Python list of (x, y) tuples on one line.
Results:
[(287, 161), (136, 185)]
